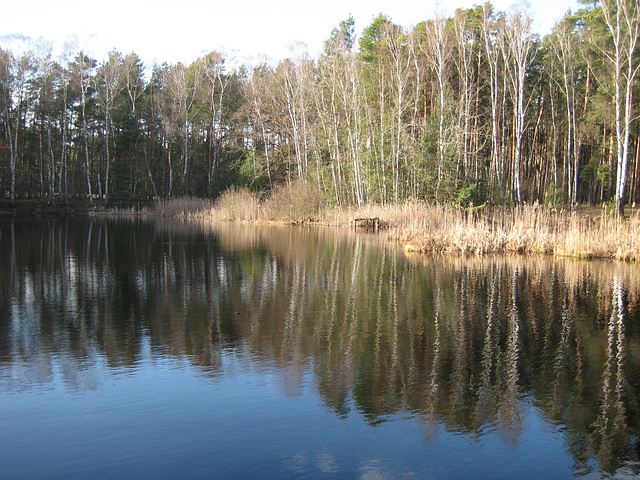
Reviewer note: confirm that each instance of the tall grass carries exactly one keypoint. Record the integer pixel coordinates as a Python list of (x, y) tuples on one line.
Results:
[(433, 228), (236, 204), (298, 202), (181, 207), (529, 230)]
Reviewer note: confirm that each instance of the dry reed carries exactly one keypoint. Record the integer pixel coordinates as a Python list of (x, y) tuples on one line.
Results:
[(181, 207), (529, 230), (236, 205), (434, 228), (297, 202)]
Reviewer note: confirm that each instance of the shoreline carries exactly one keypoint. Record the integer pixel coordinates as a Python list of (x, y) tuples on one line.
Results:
[(587, 233)]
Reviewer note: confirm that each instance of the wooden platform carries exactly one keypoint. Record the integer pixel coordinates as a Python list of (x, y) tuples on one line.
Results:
[(367, 223)]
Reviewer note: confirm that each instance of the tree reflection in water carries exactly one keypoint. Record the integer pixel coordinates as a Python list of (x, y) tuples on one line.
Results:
[(458, 344)]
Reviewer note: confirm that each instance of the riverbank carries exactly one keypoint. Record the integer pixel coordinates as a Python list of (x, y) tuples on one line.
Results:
[(586, 233), (36, 207)]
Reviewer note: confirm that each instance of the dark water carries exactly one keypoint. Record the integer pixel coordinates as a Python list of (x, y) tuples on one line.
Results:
[(158, 350)]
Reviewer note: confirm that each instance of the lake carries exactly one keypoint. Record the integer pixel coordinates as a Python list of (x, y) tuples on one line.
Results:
[(149, 349)]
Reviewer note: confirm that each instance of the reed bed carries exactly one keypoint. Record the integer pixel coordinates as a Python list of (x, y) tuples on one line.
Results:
[(182, 207), (435, 229), (529, 230)]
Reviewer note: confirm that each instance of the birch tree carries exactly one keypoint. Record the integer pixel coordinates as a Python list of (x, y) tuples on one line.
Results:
[(622, 18), (15, 76), (491, 33), (216, 83), (83, 69), (293, 81), (65, 76), (437, 48), (110, 82), (564, 48), (43, 91), (6, 97), (518, 50), (339, 111), (179, 95), (376, 90), (134, 87), (465, 46), (256, 86)]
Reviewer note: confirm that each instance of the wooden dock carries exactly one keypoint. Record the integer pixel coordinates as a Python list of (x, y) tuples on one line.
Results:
[(366, 223)]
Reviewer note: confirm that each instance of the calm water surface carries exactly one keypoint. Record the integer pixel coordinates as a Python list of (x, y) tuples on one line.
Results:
[(163, 350)]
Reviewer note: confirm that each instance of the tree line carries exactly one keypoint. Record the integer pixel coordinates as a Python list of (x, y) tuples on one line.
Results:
[(469, 109)]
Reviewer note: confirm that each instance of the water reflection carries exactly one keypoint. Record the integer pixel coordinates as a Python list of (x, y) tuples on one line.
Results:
[(464, 345)]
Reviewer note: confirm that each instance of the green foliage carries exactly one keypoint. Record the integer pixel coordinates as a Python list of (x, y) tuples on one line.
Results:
[(359, 126), (252, 174), (127, 199), (371, 35), (227, 172), (604, 175), (472, 195), (610, 206), (555, 196), (587, 173), (341, 38), (587, 178)]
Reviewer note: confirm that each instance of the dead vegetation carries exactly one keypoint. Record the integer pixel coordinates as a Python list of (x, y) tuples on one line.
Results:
[(530, 230), (434, 229)]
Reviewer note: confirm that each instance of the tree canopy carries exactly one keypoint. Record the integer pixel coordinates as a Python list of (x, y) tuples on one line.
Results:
[(468, 109)]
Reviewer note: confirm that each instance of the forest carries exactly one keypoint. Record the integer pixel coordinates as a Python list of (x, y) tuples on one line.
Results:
[(470, 109)]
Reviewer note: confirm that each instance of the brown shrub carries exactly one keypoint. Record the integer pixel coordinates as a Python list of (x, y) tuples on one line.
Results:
[(237, 204), (297, 202)]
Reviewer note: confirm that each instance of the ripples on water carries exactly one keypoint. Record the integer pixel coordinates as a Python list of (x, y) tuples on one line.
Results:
[(132, 349)]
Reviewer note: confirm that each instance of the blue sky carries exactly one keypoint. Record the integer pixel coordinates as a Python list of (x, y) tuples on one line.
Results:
[(248, 30)]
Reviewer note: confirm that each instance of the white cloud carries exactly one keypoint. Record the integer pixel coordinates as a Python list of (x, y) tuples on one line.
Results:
[(183, 30)]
